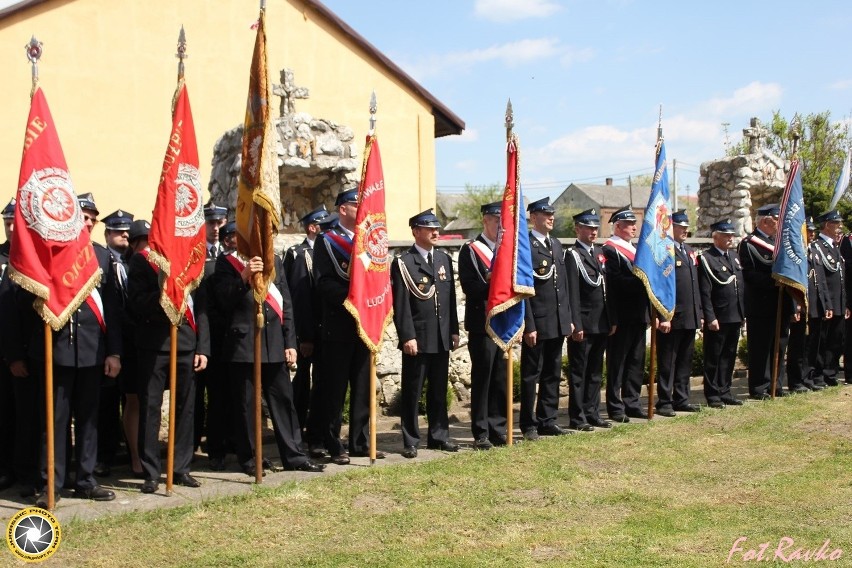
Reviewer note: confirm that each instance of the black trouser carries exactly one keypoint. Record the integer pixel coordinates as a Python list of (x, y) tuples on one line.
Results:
[(109, 419), (76, 391), (302, 389), (830, 347), (584, 388), (487, 388), (347, 364), (674, 359), (798, 366), (29, 425), (416, 369), (217, 420), (153, 379), (278, 393), (625, 365), (760, 337), (720, 354), (541, 366), (7, 422)]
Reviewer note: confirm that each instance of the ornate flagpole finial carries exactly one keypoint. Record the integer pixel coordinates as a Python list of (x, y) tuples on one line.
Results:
[(795, 133), (660, 123), (373, 108), (262, 5), (510, 120), (34, 49), (181, 52)]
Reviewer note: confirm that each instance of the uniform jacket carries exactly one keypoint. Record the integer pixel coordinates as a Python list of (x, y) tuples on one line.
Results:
[(474, 279), (298, 265), (238, 309), (687, 313), (331, 274), (817, 293), (721, 283), (153, 328), (588, 292), (81, 342), (831, 265), (548, 313), (761, 293), (424, 300), (625, 292)]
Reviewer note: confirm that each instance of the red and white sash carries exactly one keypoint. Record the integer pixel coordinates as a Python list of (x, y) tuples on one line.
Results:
[(94, 302), (619, 245), (273, 294), (761, 243), (483, 252)]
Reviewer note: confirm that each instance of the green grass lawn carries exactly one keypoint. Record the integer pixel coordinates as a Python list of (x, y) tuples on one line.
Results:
[(671, 493)]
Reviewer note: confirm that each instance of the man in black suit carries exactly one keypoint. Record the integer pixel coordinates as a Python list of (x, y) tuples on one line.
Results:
[(487, 365), (676, 342), (8, 412), (761, 301), (826, 359), (846, 251), (231, 284), (625, 352), (298, 266), (720, 281), (547, 322), (153, 330), (427, 324), (585, 267), (84, 350), (348, 360)]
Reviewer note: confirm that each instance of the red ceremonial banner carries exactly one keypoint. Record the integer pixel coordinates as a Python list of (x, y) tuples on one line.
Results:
[(369, 300), (176, 237), (51, 254)]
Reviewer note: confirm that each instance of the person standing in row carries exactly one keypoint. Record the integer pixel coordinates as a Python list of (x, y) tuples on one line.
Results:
[(427, 324), (676, 342), (586, 266), (625, 352), (720, 280), (487, 364), (547, 322)]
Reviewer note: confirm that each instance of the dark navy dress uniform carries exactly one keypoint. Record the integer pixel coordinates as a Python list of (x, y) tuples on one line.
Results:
[(625, 355), (235, 298), (425, 309), (548, 314), (846, 251), (675, 348), (720, 280), (826, 358), (153, 332), (585, 268), (487, 364), (761, 300)]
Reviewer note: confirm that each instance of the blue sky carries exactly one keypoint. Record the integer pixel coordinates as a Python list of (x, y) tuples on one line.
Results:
[(586, 78)]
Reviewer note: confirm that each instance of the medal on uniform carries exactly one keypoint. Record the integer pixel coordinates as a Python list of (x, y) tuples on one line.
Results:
[(724, 269), (678, 263), (544, 263), (421, 287), (344, 265), (424, 279), (442, 273)]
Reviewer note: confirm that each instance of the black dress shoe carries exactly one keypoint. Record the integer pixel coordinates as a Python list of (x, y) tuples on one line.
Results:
[(96, 493), (28, 492), (443, 446), (800, 389), (316, 452), (667, 412), (217, 464), (498, 440), (716, 404), (598, 423), (817, 387), (584, 427), (150, 486), (831, 382), (687, 408), (366, 454), (531, 435), (251, 471), (186, 480), (308, 466), (619, 418), (762, 396), (731, 401), (409, 452), (267, 464), (340, 459), (551, 430), (637, 414), (41, 500), (102, 470), (482, 444)]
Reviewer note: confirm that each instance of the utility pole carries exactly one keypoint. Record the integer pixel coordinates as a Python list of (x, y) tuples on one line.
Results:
[(630, 190)]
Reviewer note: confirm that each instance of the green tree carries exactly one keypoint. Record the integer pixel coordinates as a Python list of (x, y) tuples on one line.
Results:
[(821, 151), (563, 225), (475, 196)]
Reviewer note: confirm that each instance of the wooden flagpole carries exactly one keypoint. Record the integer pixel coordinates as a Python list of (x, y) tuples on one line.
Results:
[(170, 446), (510, 387), (258, 393), (652, 364), (372, 385), (48, 406)]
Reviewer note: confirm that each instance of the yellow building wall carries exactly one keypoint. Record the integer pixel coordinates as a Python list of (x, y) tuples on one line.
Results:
[(109, 71)]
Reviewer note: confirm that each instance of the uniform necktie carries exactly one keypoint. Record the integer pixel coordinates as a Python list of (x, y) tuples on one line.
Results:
[(429, 258), (547, 243)]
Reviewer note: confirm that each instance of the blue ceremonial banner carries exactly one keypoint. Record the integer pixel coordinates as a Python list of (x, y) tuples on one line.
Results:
[(511, 270), (654, 262), (790, 262)]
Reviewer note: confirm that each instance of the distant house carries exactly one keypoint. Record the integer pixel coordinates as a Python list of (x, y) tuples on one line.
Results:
[(606, 199), (451, 220)]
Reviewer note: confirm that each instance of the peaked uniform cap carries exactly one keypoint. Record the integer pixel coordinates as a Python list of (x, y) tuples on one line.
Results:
[(492, 208), (829, 216), (87, 201), (138, 228), (542, 205), (9, 210), (589, 218), (680, 217), (725, 227), (425, 219), (623, 214), (773, 209), (319, 213), (213, 212), (118, 221)]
